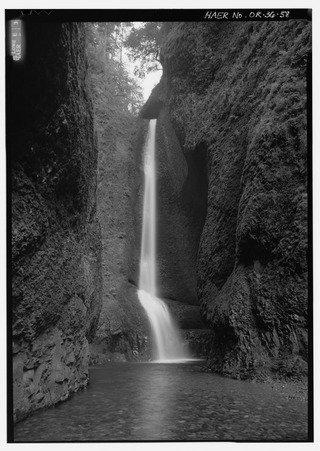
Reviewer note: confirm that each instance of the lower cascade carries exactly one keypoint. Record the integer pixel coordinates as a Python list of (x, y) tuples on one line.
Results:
[(168, 346)]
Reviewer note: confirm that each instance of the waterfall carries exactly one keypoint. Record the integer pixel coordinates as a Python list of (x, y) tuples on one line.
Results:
[(166, 339)]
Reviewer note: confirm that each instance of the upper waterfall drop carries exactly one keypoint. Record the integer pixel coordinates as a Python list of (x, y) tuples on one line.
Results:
[(167, 342), (147, 280)]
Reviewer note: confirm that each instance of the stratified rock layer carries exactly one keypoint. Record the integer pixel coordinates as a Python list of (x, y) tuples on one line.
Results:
[(237, 93), (56, 241)]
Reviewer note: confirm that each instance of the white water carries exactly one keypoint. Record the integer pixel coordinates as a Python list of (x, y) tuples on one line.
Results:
[(168, 347)]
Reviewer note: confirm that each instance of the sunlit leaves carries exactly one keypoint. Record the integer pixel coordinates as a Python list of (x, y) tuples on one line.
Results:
[(113, 88), (143, 44)]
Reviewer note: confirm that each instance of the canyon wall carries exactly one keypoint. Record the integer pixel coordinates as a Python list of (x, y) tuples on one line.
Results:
[(236, 95), (181, 198), (123, 327), (56, 238), (181, 208), (232, 206), (181, 182)]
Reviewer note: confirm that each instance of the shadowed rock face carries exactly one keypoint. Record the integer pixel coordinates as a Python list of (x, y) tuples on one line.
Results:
[(237, 93), (56, 241), (181, 206)]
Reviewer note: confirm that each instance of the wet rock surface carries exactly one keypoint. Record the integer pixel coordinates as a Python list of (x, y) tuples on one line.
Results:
[(186, 316), (199, 342), (138, 402)]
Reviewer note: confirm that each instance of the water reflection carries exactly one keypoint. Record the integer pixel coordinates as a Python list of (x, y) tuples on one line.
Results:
[(152, 401), (157, 407)]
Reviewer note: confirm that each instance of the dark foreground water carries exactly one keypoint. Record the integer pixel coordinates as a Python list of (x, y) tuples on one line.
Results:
[(149, 401)]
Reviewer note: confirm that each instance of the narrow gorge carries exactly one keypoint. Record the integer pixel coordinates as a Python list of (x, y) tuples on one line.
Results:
[(232, 239)]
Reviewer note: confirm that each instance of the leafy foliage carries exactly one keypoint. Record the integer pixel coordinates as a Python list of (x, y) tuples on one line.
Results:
[(117, 97), (143, 45)]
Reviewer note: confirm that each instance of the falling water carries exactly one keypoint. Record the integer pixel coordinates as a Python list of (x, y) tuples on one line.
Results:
[(167, 342)]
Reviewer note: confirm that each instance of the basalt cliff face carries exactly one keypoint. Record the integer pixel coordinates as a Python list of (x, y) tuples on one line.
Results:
[(234, 95), (56, 239)]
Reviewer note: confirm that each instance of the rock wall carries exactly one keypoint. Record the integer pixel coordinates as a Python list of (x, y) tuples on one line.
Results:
[(236, 92), (56, 240), (181, 207), (123, 326), (181, 184), (123, 330), (180, 215)]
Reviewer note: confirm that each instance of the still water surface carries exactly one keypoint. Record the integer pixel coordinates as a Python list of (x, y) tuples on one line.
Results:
[(150, 401)]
